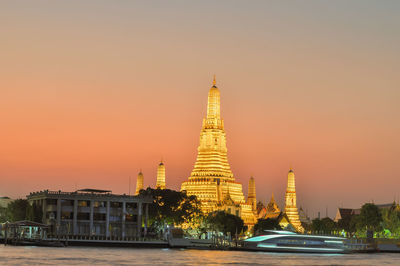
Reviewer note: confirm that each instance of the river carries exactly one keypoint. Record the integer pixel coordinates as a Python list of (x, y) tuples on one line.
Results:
[(11, 255)]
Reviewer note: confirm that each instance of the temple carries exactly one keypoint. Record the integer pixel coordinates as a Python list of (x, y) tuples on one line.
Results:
[(211, 179), (251, 195), (139, 183), (290, 203), (160, 176)]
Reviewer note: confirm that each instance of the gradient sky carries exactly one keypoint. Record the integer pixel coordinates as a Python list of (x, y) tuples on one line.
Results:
[(92, 91)]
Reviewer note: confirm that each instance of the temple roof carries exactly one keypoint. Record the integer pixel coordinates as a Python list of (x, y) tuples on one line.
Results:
[(272, 207)]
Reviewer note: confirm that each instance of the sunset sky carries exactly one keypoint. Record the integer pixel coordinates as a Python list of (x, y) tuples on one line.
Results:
[(93, 91)]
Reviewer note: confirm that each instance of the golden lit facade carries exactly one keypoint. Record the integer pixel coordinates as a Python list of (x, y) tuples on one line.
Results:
[(251, 195), (139, 183), (211, 177), (272, 210), (161, 176), (290, 203)]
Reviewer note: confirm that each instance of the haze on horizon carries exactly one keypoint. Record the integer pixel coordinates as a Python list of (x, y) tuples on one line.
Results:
[(93, 91)]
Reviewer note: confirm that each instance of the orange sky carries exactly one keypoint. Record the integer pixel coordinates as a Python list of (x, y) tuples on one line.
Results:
[(92, 92)]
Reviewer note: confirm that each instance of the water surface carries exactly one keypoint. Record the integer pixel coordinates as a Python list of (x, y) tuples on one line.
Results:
[(11, 255)]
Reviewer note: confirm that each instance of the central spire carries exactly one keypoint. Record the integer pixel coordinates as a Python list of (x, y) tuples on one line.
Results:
[(214, 81), (211, 179), (213, 105)]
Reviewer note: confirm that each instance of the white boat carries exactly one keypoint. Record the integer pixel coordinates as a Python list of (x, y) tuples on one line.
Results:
[(286, 241)]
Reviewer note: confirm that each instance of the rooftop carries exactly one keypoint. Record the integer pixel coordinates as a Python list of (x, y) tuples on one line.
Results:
[(91, 190)]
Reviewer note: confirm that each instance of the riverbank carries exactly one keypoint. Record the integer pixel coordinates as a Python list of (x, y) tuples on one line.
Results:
[(383, 246)]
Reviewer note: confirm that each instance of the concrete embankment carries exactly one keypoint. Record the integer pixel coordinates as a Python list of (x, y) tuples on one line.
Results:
[(116, 243)]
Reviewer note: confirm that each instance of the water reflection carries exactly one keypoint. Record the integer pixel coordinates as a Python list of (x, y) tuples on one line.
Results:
[(128, 256)]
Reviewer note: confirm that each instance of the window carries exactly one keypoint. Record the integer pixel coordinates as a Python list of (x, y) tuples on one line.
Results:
[(51, 201), (83, 203), (98, 204), (83, 216)]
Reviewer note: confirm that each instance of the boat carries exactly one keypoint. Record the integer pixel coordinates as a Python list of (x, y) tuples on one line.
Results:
[(287, 241)]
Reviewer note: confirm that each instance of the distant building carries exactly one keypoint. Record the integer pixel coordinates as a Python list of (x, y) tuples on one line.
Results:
[(92, 212), (343, 213), (4, 201)]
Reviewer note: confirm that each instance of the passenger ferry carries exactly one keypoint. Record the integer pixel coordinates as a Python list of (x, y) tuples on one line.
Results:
[(286, 241)]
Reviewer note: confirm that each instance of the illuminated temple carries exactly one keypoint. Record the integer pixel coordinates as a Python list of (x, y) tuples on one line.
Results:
[(161, 176), (211, 179), (290, 203)]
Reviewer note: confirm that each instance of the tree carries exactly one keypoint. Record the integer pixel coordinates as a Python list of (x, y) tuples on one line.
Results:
[(391, 222), (370, 218), (354, 223), (34, 213), (348, 224), (316, 225), (325, 225), (225, 223), (266, 224), (171, 207), (328, 225), (344, 223), (17, 210), (4, 215)]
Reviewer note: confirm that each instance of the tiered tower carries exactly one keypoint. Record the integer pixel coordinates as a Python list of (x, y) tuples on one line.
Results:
[(212, 175), (290, 203), (251, 196), (161, 176), (139, 183)]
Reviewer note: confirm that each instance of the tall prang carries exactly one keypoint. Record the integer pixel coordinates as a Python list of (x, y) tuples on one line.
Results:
[(290, 203), (139, 182), (161, 176), (211, 177), (251, 196)]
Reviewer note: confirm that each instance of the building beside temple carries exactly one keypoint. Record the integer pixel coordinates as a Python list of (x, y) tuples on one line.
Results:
[(92, 212), (290, 203), (347, 213), (211, 179), (4, 201)]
